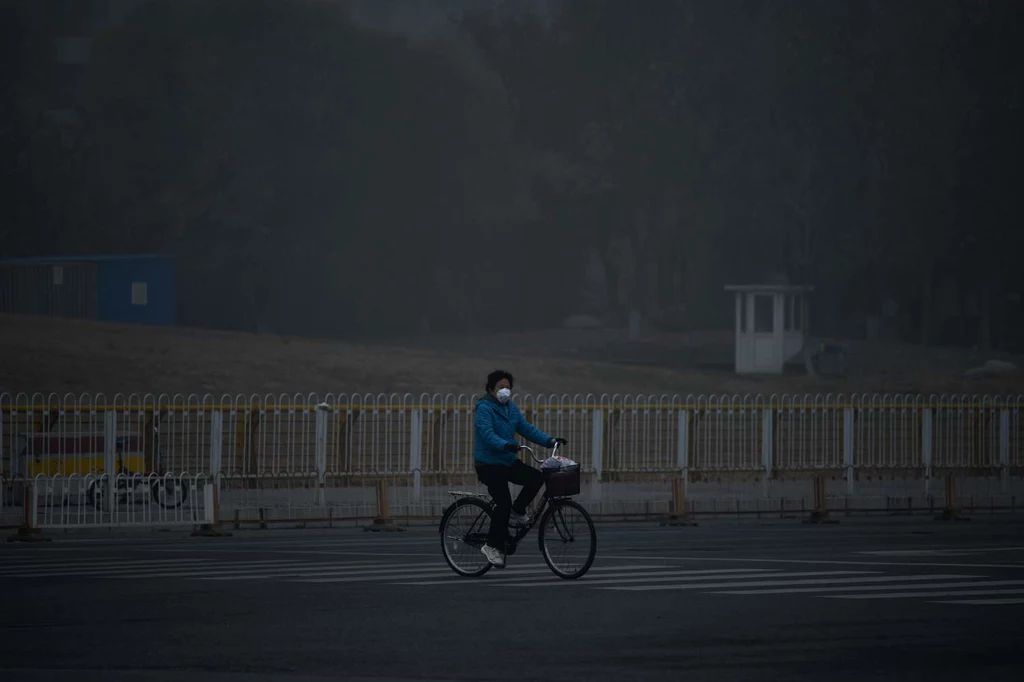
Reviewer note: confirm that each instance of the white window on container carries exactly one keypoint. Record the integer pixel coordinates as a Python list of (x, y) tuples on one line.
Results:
[(58, 275), (140, 293)]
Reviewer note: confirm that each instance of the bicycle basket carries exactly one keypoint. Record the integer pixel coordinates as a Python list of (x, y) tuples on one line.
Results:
[(562, 481)]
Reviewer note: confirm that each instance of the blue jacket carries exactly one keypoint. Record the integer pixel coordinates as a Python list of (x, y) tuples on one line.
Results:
[(498, 424)]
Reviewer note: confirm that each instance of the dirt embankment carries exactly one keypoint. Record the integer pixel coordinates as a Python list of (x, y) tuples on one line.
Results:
[(53, 355)]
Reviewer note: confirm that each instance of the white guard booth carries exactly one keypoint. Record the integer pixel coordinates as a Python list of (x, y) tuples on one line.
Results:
[(770, 324)]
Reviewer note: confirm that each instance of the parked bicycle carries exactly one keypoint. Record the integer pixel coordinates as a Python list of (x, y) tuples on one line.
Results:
[(565, 527), (167, 491)]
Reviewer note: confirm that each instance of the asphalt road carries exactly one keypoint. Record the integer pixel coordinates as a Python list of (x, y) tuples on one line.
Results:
[(867, 599)]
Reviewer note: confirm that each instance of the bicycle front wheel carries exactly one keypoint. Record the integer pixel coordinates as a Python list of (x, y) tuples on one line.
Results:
[(567, 539), (463, 532)]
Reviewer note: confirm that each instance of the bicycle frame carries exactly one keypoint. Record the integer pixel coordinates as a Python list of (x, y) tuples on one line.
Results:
[(511, 541)]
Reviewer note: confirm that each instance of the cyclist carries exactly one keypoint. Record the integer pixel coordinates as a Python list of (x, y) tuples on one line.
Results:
[(497, 422)]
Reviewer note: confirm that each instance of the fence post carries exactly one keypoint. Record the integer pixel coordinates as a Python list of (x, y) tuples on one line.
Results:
[(1004, 448), (851, 475), (416, 452), (767, 445), (320, 450), (927, 448), (597, 450), (679, 515), (683, 453), (210, 506), (210, 524), (110, 458), (12, 471), (216, 446), (951, 511)]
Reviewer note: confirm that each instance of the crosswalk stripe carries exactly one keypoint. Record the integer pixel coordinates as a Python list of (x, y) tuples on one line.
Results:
[(255, 570), (306, 546), (399, 579), (780, 583), (42, 558), (162, 571), (71, 569), (319, 552), (60, 565), (78, 561), (311, 542), (858, 588), (258, 569), (941, 551), (941, 593), (842, 562), (982, 601), (422, 574), (668, 577), (754, 572), (328, 572)]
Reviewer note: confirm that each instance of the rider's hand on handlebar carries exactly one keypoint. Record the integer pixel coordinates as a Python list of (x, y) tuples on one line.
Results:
[(558, 441), (511, 447)]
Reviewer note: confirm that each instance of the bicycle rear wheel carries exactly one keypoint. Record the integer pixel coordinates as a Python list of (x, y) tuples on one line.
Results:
[(463, 532), (567, 539)]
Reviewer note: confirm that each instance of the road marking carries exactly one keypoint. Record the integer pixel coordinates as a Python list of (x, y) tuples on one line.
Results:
[(668, 577), (68, 569), (983, 601), (257, 550), (856, 588), (782, 583), (233, 571), (248, 545), (917, 564), (534, 568), (392, 577), (47, 550), (752, 573), (943, 593), (158, 570), (83, 561), (389, 571), (941, 551)]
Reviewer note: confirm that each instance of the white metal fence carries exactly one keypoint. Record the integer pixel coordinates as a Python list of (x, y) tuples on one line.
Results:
[(320, 444)]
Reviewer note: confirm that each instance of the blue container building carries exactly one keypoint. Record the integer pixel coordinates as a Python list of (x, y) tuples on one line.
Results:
[(136, 289)]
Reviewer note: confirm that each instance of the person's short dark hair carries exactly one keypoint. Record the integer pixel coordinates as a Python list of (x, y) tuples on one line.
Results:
[(497, 375)]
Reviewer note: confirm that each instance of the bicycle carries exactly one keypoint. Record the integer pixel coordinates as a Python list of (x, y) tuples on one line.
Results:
[(465, 522), (166, 491)]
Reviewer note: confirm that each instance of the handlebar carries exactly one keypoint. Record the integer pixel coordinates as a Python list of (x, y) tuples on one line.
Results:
[(533, 456)]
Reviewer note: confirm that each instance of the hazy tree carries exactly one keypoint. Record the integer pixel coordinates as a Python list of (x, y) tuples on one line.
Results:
[(312, 174)]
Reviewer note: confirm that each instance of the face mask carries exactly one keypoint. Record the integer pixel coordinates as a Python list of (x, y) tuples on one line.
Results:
[(503, 395)]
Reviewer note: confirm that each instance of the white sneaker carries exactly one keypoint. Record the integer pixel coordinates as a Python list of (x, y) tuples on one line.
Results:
[(518, 520), (494, 556)]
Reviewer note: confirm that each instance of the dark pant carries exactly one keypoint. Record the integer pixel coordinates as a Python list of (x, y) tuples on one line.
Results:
[(497, 477)]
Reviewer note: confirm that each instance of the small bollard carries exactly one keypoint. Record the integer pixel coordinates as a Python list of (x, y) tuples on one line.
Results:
[(29, 531), (679, 515), (953, 510), (383, 522), (819, 512)]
